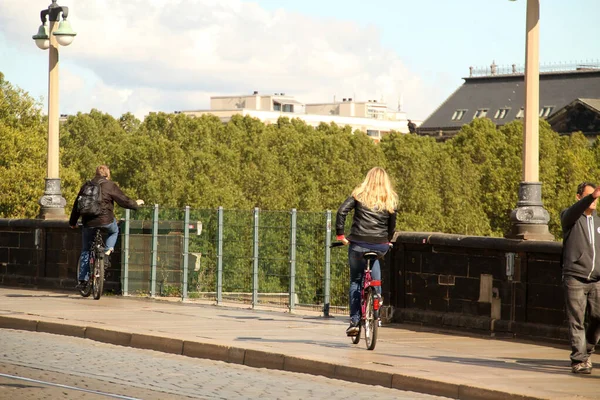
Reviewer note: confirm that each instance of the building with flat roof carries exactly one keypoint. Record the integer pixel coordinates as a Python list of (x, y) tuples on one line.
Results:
[(371, 117)]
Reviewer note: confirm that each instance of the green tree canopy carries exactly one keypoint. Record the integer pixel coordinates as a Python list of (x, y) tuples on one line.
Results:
[(467, 185)]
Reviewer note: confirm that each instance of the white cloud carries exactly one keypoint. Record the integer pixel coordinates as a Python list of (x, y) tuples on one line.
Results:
[(165, 55)]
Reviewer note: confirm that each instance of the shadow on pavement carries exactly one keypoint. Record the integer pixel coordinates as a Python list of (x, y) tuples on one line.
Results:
[(519, 364)]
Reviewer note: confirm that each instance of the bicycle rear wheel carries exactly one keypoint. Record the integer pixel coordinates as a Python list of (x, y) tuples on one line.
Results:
[(98, 277), (371, 323)]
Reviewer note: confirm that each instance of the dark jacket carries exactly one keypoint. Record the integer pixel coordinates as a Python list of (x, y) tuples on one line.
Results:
[(110, 194), (368, 225), (581, 241)]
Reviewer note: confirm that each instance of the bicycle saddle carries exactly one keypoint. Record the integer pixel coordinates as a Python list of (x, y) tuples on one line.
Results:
[(370, 256)]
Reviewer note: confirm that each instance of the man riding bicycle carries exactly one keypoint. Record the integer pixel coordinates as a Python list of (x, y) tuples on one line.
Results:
[(102, 217), (374, 202)]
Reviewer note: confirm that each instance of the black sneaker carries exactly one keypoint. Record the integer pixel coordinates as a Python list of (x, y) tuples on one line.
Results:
[(353, 329), (581, 368)]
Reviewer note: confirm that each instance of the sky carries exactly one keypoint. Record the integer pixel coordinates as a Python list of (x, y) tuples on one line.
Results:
[(168, 55)]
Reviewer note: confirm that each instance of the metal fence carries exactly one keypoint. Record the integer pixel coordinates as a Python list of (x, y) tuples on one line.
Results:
[(270, 258)]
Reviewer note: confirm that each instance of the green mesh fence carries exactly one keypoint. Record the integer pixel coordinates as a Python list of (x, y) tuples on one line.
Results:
[(274, 258), (202, 258), (310, 259), (140, 250), (273, 241), (169, 252), (237, 255)]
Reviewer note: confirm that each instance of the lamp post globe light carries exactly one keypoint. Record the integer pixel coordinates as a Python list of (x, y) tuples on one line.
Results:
[(530, 219), (51, 33)]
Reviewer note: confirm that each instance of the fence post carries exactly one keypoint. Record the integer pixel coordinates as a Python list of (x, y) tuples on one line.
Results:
[(220, 255), (125, 255), (293, 261), (186, 247), (154, 251), (255, 261), (327, 279)]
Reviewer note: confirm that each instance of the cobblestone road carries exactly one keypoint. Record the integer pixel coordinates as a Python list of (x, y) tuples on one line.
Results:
[(152, 375)]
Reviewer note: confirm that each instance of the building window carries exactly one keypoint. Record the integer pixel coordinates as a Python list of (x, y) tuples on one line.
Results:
[(545, 111), (375, 113), (373, 134), (521, 113), (458, 114), (501, 113), (482, 112), (283, 107)]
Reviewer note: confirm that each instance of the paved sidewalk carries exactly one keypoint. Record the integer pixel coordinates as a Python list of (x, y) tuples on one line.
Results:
[(406, 357)]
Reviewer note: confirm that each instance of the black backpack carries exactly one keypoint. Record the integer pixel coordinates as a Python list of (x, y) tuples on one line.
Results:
[(89, 202)]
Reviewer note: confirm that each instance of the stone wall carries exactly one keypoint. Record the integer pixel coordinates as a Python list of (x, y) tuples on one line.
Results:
[(45, 254), (470, 282)]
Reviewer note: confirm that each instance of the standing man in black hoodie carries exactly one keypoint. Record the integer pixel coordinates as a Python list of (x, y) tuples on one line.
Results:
[(581, 275)]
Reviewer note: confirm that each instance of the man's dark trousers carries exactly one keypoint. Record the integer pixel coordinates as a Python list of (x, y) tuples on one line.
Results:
[(582, 295)]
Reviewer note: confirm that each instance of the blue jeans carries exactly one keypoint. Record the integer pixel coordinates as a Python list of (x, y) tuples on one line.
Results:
[(357, 269), (88, 236)]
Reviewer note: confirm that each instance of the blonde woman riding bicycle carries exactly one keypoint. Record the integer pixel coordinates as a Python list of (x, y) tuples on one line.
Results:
[(374, 202)]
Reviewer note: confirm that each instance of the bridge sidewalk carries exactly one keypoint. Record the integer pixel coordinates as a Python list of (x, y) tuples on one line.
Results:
[(406, 357)]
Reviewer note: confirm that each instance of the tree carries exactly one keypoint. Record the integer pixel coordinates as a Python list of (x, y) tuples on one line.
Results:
[(411, 163), (22, 152), (496, 158)]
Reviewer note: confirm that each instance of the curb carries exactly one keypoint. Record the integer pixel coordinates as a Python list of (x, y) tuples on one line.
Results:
[(157, 343), (61, 329), (262, 359)]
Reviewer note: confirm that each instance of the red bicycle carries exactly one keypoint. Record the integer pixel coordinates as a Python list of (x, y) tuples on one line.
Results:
[(369, 302)]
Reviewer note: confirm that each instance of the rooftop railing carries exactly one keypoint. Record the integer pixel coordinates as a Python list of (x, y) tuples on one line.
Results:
[(514, 69)]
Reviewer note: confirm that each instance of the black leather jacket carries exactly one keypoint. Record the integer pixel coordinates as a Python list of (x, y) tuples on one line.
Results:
[(367, 225)]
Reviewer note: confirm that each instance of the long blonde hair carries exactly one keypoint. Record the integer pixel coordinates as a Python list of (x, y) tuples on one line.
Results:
[(376, 191)]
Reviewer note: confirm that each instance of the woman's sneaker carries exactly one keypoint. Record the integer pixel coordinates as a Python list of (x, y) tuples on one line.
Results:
[(353, 329)]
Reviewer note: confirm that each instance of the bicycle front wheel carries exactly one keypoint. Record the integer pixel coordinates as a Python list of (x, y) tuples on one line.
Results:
[(371, 323), (98, 277)]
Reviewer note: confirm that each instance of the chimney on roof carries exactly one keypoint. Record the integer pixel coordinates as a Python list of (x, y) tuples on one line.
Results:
[(514, 68), (470, 71), (350, 99), (255, 92), (493, 67), (344, 99)]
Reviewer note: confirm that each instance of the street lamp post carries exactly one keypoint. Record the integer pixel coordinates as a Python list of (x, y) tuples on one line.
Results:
[(530, 218), (49, 37)]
